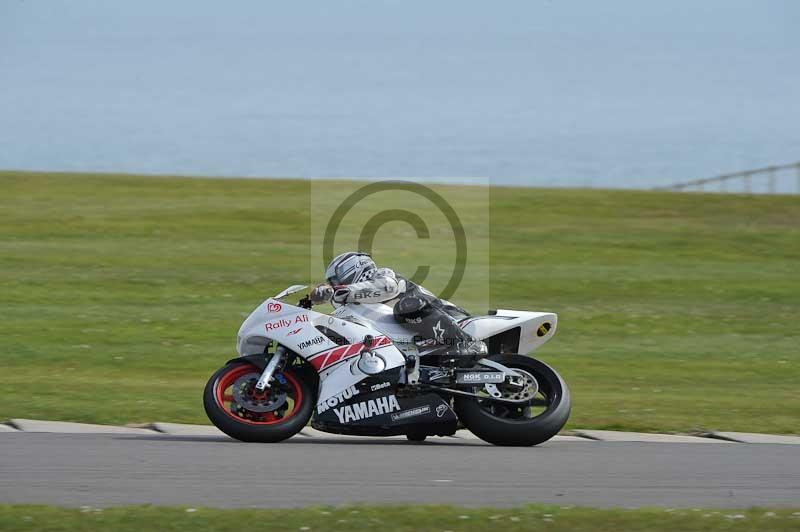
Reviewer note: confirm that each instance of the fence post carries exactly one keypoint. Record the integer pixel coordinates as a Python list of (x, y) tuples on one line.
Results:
[(798, 177), (747, 185), (771, 180)]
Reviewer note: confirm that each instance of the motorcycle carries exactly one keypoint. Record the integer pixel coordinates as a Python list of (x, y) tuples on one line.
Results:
[(356, 371)]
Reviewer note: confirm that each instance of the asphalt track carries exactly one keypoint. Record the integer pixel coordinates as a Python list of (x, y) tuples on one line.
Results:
[(110, 469)]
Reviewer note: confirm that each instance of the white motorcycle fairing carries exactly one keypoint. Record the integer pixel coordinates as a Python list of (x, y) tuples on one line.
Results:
[(517, 331), (301, 331)]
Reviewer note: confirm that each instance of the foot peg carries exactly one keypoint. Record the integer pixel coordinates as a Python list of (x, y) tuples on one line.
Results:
[(467, 353), (475, 348)]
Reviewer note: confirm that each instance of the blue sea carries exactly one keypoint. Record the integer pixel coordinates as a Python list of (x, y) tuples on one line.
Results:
[(604, 94)]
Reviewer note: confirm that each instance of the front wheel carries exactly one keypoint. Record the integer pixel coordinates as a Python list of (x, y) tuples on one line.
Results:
[(542, 410), (236, 408)]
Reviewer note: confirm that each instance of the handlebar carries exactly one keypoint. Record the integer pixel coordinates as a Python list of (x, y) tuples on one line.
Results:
[(305, 302)]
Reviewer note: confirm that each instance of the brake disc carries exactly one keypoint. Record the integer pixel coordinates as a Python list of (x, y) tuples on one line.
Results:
[(244, 395), (526, 392)]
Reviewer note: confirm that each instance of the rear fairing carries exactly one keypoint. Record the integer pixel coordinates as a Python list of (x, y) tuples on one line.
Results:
[(512, 331)]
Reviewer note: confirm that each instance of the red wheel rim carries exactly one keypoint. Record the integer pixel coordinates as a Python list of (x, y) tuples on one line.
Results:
[(225, 399)]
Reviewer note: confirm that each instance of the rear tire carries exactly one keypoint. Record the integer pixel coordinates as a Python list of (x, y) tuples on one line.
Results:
[(477, 416), (263, 426)]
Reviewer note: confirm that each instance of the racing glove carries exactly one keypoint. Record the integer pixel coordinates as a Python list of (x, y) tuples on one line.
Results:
[(321, 294)]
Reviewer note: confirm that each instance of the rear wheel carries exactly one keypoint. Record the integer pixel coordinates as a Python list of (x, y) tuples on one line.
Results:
[(236, 408), (542, 409)]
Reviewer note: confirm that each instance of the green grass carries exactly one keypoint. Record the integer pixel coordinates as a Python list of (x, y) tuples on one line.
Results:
[(409, 518), (120, 295)]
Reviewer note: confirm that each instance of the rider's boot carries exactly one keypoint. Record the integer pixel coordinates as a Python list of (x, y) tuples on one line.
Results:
[(465, 354)]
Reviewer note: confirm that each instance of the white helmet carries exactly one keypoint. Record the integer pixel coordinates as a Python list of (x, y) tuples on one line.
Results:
[(350, 267)]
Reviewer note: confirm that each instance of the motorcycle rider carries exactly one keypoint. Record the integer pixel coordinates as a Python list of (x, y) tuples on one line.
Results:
[(353, 277)]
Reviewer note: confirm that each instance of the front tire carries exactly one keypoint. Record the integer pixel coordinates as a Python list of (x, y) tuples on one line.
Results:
[(500, 424), (234, 407)]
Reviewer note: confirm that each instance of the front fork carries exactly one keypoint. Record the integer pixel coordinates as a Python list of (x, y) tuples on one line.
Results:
[(278, 359)]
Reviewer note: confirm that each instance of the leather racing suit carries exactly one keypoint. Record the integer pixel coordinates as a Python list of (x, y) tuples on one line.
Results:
[(433, 320)]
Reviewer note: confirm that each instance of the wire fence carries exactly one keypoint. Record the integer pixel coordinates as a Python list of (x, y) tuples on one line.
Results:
[(781, 179)]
